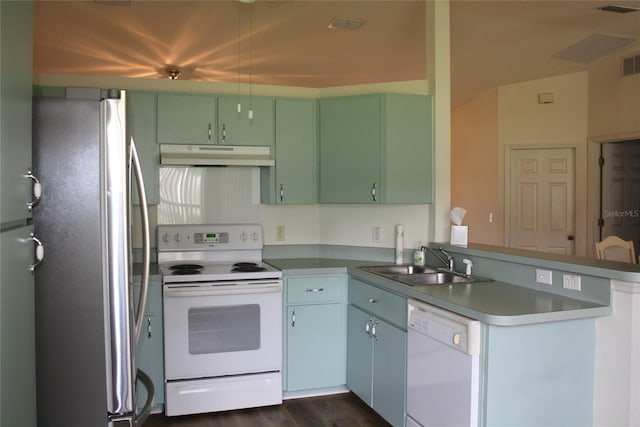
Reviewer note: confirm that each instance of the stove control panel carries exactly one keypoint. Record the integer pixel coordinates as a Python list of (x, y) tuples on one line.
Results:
[(212, 237), (209, 237)]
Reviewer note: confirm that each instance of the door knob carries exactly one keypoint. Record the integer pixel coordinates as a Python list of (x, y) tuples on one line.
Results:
[(570, 237)]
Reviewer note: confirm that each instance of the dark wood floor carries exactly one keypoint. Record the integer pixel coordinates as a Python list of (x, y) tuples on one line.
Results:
[(337, 410)]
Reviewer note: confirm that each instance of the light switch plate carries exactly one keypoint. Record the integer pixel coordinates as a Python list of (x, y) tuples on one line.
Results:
[(544, 276)]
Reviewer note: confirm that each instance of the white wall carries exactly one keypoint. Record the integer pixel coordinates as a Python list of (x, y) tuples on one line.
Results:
[(522, 120), (348, 225)]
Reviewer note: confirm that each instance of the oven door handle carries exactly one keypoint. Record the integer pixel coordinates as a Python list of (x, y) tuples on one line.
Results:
[(198, 291)]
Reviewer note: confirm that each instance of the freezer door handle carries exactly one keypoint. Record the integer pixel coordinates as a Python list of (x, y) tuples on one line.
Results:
[(144, 214), (37, 189)]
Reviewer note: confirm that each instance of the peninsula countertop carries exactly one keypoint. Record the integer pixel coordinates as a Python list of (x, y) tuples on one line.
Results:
[(494, 302)]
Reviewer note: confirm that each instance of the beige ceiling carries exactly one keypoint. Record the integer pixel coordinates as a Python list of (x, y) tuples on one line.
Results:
[(287, 42)]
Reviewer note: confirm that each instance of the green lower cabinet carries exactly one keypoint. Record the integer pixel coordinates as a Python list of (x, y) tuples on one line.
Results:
[(314, 333), (314, 352), (376, 364), (539, 374), (149, 353)]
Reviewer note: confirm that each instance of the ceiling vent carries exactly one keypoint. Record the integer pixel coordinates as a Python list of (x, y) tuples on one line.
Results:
[(631, 65), (345, 24), (593, 47), (618, 9)]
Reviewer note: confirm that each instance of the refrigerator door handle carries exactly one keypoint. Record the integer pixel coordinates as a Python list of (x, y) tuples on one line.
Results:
[(144, 213), (39, 252), (144, 413)]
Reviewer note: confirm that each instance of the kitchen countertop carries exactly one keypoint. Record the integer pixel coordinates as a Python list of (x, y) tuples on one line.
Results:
[(495, 302)]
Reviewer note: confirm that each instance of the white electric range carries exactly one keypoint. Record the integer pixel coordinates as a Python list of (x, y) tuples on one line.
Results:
[(222, 318)]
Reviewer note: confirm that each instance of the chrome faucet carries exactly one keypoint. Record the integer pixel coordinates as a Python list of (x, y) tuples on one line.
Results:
[(444, 257)]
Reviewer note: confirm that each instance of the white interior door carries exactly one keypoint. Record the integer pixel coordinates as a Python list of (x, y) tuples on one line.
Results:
[(620, 194), (541, 195)]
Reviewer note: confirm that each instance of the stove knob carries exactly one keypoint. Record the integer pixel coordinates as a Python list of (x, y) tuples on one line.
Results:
[(177, 238), (243, 236), (165, 238), (254, 236)]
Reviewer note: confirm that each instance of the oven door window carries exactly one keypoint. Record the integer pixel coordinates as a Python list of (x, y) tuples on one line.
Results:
[(222, 329)]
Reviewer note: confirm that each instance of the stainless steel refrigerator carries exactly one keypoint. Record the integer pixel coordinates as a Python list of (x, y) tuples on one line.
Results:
[(86, 324)]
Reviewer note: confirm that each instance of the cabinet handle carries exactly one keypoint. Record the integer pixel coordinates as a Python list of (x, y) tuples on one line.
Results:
[(293, 317), (367, 327), (373, 330), (281, 193), (149, 326), (209, 133), (314, 290), (39, 252), (374, 301), (37, 189), (374, 195), (224, 134)]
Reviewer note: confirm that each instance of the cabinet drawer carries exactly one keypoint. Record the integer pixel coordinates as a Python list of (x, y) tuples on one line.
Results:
[(315, 289), (378, 302)]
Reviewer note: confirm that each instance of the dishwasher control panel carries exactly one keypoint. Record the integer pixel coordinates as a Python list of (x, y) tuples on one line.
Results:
[(454, 330)]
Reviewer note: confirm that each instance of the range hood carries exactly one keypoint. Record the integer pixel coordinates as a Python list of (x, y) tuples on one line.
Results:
[(215, 155)]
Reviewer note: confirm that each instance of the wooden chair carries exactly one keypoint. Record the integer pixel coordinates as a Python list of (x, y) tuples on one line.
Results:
[(614, 248)]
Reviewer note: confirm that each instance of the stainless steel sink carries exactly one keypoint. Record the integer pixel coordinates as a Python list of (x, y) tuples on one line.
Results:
[(403, 269), (429, 279), (414, 275)]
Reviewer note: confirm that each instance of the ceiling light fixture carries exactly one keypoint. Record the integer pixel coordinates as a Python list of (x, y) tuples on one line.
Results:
[(173, 73)]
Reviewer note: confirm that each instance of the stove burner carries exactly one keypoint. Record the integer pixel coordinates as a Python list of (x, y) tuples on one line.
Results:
[(182, 267), (245, 264), (248, 269)]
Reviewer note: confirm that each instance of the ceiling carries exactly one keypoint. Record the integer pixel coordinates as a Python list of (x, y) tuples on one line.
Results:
[(288, 42)]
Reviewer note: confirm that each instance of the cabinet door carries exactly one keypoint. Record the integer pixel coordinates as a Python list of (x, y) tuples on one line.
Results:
[(389, 373), (149, 353), (17, 329), (236, 128), (186, 119), (350, 149), (359, 353), (408, 142), (315, 355), (296, 170), (141, 127), (15, 107)]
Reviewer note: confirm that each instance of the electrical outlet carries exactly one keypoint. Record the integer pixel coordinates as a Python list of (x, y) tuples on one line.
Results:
[(376, 234), (279, 233), (544, 276), (571, 281)]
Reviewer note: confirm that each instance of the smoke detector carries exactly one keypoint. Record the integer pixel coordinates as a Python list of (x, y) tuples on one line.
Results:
[(345, 24)]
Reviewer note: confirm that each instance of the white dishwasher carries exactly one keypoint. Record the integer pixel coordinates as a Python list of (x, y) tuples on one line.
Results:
[(443, 367)]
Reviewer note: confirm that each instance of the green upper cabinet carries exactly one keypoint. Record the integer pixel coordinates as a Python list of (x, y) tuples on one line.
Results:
[(186, 119), (350, 149), (376, 149), (141, 127), (294, 179), (236, 128)]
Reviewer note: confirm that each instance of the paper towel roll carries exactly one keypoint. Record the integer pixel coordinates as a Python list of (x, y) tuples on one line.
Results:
[(399, 244)]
